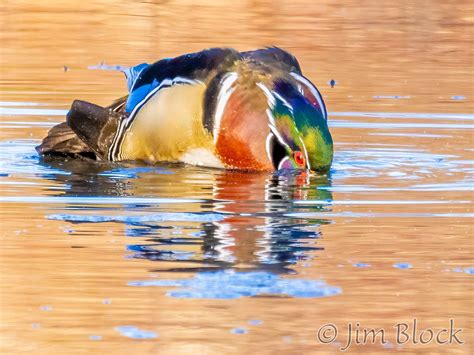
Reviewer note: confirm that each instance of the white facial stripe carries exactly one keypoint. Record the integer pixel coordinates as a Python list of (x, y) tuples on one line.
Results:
[(279, 137), (305, 153), (271, 94), (285, 159), (268, 94), (288, 106), (267, 146), (274, 132), (271, 119), (300, 89), (313, 91), (222, 98)]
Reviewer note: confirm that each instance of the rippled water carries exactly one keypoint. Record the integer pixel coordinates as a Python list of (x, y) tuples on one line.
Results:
[(115, 257)]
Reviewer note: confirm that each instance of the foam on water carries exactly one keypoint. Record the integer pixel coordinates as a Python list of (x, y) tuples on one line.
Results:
[(131, 331), (229, 284)]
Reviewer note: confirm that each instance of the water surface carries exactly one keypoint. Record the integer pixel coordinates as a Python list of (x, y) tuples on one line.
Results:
[(120, 257)]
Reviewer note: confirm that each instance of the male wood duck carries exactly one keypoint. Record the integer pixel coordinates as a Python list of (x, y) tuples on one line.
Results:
[(218, 108)]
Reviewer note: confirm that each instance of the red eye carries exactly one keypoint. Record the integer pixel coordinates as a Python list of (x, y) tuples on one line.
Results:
[(299, 158)]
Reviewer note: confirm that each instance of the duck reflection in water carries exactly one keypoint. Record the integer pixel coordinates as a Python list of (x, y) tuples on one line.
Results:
[(253, 231), (257, 234)]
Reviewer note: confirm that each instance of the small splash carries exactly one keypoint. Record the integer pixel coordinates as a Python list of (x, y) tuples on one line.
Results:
[(229, 284), (458, 97), (133, 332), (106, 301), (95, 337), (239, 330), (255, 322), (103, 66), (457, 269), (36, 326), (46, 308), (361, 265), (402, 265)]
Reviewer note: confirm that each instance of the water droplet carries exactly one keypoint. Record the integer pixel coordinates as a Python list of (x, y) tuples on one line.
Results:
[(240, 330), (361, 265), (403, 265), (133, 332), (469, 270)]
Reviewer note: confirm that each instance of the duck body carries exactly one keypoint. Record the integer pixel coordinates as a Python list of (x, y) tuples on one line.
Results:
[(219, 108)]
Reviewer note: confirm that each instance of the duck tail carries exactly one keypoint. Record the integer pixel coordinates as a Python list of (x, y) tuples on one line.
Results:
[(89, 131), (61, 140)]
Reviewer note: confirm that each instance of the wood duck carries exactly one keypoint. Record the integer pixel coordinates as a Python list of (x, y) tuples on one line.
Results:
[(218, 108)]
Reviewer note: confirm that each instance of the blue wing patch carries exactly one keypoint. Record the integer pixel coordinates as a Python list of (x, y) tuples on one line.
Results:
[(136, 92), (132, 74)]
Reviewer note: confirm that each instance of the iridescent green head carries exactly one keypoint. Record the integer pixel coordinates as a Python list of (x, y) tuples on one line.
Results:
[(300, 137)]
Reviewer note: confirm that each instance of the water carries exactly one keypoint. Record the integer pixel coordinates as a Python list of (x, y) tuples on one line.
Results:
[(115, 257)]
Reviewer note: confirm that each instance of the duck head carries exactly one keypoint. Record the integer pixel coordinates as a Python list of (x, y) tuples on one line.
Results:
[(299, 136)]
